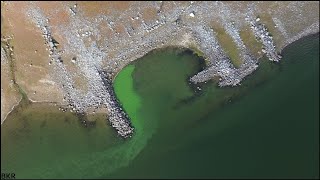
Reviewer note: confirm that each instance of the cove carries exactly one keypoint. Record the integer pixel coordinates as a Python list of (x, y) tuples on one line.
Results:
[(267, 127)]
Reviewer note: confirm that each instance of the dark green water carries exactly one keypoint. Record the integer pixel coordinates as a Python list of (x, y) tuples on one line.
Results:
[(268, 127)]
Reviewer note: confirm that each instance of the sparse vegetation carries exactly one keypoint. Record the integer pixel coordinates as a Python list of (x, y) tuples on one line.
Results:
[(228, 46), (251, 42)]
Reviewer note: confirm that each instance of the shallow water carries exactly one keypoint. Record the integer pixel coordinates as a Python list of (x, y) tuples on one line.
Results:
[(267, 127)]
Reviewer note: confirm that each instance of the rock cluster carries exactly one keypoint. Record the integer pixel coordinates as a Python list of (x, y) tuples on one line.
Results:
[(263, 35), (117, 116)]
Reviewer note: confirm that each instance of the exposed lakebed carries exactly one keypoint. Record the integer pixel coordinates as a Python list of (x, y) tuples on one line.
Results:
[(267, 127)]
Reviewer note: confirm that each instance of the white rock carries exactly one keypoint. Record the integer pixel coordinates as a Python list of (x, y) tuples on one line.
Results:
[(191, 14), (51, 44)]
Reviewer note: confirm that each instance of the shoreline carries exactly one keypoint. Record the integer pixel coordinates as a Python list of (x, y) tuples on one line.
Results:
[(13, 107), (310, 31), (80, 46), (300, 36)]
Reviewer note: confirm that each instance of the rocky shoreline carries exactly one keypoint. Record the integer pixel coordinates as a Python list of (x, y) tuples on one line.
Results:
[(98, 59), (117, 117)]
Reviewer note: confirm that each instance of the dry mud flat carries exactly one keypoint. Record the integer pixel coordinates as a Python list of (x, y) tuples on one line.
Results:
[(60, 48)]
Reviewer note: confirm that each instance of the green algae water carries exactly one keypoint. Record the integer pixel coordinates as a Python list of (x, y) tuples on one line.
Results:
[(267, 127)]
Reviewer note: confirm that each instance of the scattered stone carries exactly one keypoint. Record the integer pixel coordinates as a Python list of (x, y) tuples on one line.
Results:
[(262, 34), (144, 38), (191, 14), (73, 60)]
